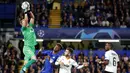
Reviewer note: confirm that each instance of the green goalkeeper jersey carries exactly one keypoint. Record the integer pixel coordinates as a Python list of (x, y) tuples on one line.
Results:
[(29, 35)]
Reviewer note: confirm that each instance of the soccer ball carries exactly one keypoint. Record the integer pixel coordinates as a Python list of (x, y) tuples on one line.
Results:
[(25, 5)]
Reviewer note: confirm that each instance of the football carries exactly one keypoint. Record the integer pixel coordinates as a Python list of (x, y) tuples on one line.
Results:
[(25, 5)]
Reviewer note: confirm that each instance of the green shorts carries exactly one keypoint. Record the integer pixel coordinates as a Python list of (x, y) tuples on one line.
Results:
[(29, 52)]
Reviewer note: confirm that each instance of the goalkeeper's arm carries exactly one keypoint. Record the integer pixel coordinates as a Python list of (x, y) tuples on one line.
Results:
[(24, 22), (32, 17)]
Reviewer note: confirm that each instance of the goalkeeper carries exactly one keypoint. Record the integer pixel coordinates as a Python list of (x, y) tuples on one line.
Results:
[(29, 39)]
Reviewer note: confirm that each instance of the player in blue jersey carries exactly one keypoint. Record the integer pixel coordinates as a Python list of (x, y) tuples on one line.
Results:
[(49, 62)]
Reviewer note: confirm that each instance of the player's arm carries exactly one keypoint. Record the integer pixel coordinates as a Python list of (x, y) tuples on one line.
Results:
[(40, 51), (106, 62), (24, 22), (79, 66), (59, 61), (32, 17), (118, 60)]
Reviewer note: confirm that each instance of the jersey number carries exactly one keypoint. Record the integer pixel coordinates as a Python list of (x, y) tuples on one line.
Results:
[(114, 61)]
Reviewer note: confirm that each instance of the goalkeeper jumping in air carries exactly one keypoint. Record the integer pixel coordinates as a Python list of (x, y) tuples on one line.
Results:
[(29, 39)]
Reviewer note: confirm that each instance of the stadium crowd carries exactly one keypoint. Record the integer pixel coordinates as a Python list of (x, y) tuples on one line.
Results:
[(96, 13), (7, 1), (9, 58), (9, 62), (89, 13)]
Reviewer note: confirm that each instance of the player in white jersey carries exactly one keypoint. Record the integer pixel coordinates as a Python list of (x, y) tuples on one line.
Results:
[(66, 62), (111, 59)]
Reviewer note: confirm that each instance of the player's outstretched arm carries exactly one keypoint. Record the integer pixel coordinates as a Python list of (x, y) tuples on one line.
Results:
[(24, 22), (32, 17), (79, 66), (40, 51), (106, 62), (59, 61)]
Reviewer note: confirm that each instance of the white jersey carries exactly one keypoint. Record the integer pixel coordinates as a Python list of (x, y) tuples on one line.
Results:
[(68, 63), (113, 58)]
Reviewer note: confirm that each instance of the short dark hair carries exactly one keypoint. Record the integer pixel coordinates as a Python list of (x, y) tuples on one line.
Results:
[(60, 45), (110, 44), (70, 49)]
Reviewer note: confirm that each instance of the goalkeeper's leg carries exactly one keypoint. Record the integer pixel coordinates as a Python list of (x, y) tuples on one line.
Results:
[(28, 54), (29, 63)]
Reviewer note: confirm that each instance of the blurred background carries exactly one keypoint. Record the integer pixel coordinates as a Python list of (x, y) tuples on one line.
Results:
[(86, 21)]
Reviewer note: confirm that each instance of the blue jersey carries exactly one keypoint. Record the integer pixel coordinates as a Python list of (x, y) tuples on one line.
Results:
[(48, 68), (53, 57)]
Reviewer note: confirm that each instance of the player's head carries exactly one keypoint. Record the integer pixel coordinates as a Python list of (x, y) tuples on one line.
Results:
[(68, 51), (57, 47), (108, 46), (21, 17)]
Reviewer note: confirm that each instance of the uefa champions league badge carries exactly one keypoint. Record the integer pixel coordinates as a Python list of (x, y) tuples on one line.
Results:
[(40, 33)]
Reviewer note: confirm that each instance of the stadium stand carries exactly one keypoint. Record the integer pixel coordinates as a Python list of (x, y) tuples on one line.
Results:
[(95, 13), (79, 13)]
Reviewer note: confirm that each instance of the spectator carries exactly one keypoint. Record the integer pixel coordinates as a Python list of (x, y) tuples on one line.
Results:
[(128, 70), (70, 7), (127, 18), (71, 45), (43, 22), (98, 14), (118, 70), (79, 60), (103, 58), (93, 20), (105, 23), (91, 59), (64, 24), (96, 58), (6, 69), (71, 18), (77, 25), (81, 24), (126, 47), (109, 16), (123, 25), (64, 7), (98, 70), (93, 17), (31, 70), (117, 23), (43, 7), (50, 4), (32, 8), (12, 70), (94, 23), (38, 14), (124, 70), (39, 69), (99, 22), (70, 24), (125, 58), (37, 24)]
